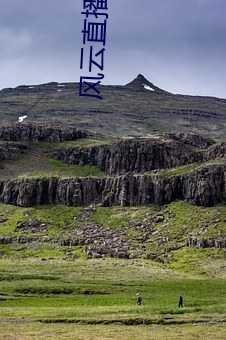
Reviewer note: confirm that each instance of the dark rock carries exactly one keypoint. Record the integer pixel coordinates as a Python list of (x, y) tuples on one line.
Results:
[(6, 240), (69, 243), (207, 243), (151, 256), (204, 186), (192, 139), (215, 151), (135, 155), (37, 132), (11, 151), (159, 218), (32, 225)]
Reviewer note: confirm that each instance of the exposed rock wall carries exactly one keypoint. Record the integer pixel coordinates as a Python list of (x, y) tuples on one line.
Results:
[(124, 162), (206, 186), (191, 139), (11, 151), (202, 187), (215, 151), (201, 243), (35, 133), (131, 155)]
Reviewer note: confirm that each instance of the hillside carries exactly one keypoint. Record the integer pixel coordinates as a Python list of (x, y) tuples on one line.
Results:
[(137, 109), (100, 200), (82, 193), (129, 196)]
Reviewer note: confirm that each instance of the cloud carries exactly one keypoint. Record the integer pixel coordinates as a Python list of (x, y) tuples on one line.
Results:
[(13, 42), (178, 44)]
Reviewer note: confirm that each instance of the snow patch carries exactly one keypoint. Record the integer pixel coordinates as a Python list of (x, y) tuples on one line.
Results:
[(61, 85), (21, 118), (59, 90), (31, 87), (148, 87)]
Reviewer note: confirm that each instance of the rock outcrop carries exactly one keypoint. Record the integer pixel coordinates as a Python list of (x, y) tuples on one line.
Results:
[(37, 132), (205, 186), (191, 139), (215, 151), (133, 168), (219, 242), (139, 155), (11, 151)]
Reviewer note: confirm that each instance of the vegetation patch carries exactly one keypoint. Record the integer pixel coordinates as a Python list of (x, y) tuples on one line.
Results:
[(61, 169), (180, 170)]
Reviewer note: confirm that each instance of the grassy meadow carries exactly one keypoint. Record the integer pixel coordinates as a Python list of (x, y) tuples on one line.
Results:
[(96, 299), (52, 291)]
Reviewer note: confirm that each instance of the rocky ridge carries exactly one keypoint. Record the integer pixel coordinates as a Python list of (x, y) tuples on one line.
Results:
[(38, 132), (138, 155), (205, 186), (134, 170)]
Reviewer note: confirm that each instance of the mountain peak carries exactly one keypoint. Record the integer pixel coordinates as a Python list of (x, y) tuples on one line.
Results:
[(141, 77), (140, 83)]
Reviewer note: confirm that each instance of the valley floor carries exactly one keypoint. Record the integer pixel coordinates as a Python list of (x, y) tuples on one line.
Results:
[(96, 299), (36, 331)]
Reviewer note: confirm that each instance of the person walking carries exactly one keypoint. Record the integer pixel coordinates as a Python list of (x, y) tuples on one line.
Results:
[(180, 301), (139, 299)]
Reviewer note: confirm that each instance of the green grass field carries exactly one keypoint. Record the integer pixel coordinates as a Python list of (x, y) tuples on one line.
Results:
[(38, 331), (52, 291), (96, 299)]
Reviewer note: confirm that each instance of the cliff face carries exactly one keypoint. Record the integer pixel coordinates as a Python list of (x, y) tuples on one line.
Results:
[(125, 163), (191, 139), (215, 151), (35, 133), (202, 187), (131, 155), (11, 151)]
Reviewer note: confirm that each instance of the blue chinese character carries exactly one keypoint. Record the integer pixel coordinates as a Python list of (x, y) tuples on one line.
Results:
[(94, 13), (95, 4), (81, 59), (95, 32), (90, 86), (102, 4), (91, 4), (91, 61)]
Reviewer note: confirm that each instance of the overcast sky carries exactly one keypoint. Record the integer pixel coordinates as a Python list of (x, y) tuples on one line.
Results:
[(179, 45)]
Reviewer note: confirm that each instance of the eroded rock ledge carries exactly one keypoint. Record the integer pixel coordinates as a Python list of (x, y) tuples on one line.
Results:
[(37, 132), (131, 155), (144, 155), (205, 186), (126, 163)]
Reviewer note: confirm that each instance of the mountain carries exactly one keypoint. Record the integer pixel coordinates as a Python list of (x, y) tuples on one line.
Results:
[(138, 108), (100, 199), (140, 173), (140, 83), (64, 188)]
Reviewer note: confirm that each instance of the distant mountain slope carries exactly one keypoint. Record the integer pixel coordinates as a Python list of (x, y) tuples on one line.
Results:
[(137, 109)]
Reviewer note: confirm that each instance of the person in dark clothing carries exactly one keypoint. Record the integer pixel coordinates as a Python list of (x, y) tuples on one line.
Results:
[(139, 299), (180, 301)]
